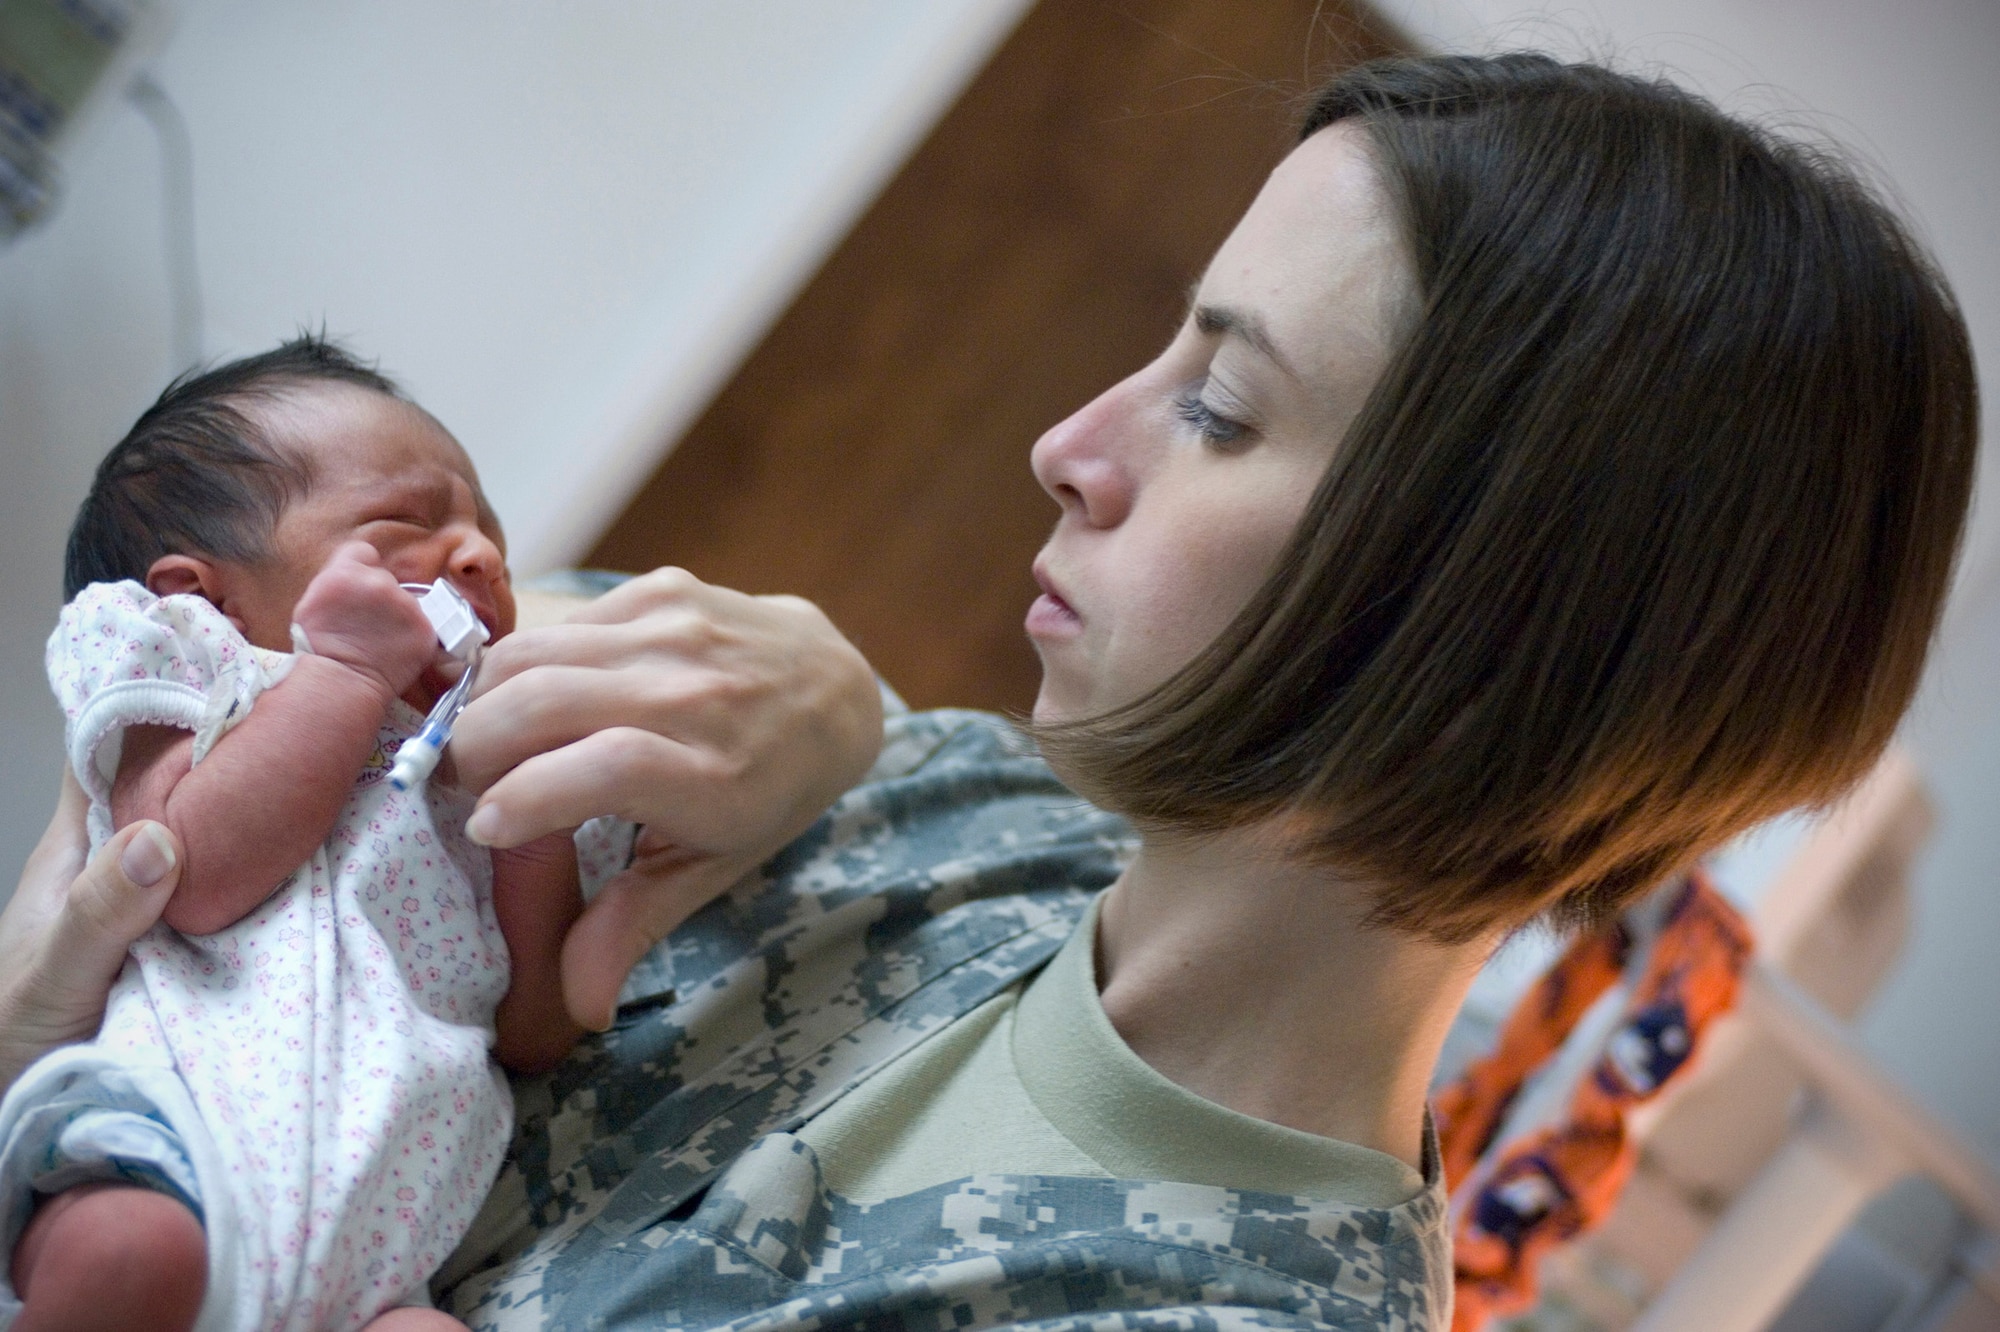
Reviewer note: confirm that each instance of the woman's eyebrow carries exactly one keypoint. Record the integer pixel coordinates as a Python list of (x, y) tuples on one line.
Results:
[(1221, 320)]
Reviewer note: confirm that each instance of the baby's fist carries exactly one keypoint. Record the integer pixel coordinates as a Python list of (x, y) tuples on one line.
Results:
[(356, 613)]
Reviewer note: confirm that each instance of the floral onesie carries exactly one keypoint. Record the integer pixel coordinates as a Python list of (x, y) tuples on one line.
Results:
[(313, 1080)]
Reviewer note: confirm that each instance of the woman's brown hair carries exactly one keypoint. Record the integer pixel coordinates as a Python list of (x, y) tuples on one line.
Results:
[(1641, 538)]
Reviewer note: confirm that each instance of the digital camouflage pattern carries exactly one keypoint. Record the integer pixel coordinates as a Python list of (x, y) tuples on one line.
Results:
[(958, 868)]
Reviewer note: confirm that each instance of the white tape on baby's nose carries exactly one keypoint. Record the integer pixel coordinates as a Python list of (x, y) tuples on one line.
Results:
[(458, 628)]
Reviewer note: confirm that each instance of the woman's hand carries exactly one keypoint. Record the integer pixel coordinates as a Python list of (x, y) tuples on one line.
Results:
[(723, 723), (64, 934)]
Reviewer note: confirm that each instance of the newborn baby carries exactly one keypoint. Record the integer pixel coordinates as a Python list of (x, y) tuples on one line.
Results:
[(291, 1114)]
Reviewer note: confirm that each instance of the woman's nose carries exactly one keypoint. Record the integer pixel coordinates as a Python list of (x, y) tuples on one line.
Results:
[(1081, 463)]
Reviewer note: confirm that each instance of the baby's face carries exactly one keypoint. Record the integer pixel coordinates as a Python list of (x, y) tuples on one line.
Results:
[(382, 471)]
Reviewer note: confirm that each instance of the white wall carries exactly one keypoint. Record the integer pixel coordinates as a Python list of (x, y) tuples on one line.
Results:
[(1914, 87), (559, 225)]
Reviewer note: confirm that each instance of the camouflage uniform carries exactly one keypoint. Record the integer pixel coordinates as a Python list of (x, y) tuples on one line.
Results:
[(958, 868)]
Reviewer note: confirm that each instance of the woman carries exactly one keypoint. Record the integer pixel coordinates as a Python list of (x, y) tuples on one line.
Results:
[(1551, 479)]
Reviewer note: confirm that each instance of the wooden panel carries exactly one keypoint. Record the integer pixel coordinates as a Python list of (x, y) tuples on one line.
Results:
[(871, 454)]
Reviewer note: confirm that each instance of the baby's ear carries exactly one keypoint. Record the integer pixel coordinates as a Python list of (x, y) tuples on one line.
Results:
[(172, 574)]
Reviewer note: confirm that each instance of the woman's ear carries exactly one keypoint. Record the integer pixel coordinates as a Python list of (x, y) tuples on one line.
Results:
[(174, 574)]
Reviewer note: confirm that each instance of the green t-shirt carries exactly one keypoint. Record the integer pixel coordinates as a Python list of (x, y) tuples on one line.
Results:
[(1036, 1081)]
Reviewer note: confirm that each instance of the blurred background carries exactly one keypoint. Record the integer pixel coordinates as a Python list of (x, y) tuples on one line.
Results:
[(782, 291)]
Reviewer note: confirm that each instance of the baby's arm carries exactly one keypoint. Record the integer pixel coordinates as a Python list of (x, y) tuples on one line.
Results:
[(267, 795), (536, 898)]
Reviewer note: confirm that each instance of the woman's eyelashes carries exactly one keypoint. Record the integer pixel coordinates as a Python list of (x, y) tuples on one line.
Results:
[(1215, 429)]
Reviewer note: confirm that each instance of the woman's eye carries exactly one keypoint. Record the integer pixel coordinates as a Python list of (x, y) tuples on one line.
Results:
[(1214, 428)]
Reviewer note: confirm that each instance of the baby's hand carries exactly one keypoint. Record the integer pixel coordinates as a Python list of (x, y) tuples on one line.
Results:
[(354, 612)]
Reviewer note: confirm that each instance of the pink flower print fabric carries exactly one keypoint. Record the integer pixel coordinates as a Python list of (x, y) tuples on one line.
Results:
[(334, 1041), (121, 657)]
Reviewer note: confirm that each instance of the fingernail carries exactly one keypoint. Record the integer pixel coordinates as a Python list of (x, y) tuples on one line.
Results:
[(484, 825), (149, 857)]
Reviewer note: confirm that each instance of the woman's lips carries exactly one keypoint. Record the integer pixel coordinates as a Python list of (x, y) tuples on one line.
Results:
[(1050, 616)]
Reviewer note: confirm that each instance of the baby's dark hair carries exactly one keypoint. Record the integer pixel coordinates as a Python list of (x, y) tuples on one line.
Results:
[(195, 474)]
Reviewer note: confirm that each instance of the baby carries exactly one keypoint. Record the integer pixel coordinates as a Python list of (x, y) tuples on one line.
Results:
[(291, 1114)]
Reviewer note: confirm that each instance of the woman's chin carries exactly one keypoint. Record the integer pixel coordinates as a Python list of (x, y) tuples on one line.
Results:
[(1045, 712), (1055, 703)]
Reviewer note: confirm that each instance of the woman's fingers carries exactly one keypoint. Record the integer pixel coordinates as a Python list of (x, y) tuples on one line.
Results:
[(600, 950), (662, 589), (723, 723), (622, 923), (684, 795), (558, 703), (666, 615), (622, 771), (117, 898), (763, 714), (64, 934)]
